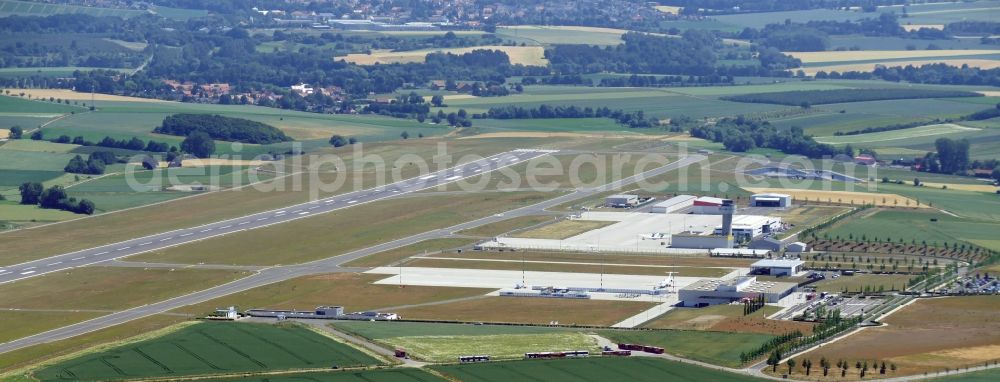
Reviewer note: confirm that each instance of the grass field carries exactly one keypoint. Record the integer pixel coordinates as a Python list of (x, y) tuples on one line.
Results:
[(977, 376), (861, 282), (594, 369), (865, 55), (212, 348), (354, 291), (529, 310), (20, 323), (502, 227), (717, 348), (306, 239), (548, 35), (433, 246), (928, 335), (497, 346), (379, 330), (524, 55), (726, 318), (563, 229), (11, 104), (843, 197), (921, 131), (914, 226)]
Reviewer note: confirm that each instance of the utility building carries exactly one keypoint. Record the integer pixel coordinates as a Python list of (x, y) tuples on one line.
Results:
[(621, 201)]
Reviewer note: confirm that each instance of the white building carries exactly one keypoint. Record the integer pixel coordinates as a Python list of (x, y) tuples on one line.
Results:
[(303, 89), (714, 292), (747, 227), (797, 247), (707, 205), (770, 200), (673, 204), (777, 267), (621, 200)]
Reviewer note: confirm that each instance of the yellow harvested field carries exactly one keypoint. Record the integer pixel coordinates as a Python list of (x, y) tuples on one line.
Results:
[(845, 197), (868, 67), (524, 55), (868, 55), (563, 229), (964, 187), (452, 97), (989, 93), (913, 27), (72, 95), (4, 133), (573, 28), (668, 9)]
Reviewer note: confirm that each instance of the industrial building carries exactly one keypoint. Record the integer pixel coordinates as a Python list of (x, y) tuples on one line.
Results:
[(700, 241), (707, 205), (768, 243), (747, 227), (621, 201), (714, 292), (673, 204), (777, 267), (771, 200), (797, 247)]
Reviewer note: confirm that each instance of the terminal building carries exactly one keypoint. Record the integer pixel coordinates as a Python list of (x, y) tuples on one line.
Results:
[(777, 267), (715, 292)]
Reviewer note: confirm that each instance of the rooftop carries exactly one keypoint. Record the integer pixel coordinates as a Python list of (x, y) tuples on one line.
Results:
[(778, 263)]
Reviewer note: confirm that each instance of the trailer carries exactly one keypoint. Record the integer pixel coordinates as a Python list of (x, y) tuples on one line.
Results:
[(473, 358), (400, 353), (617, 353), (652, 349), (630, 347)]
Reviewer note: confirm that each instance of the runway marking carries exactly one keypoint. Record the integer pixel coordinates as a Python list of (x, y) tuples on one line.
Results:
[(280, 212), (28, 268), (99, 253), (453, 177), (478, 170), (165, 239), (27, 273), (205, 230), (261, 219), (122, 248), (313, 207), (352, 202), (147, 243), (395, 191), (186, 234), (55, 263), (428, 177), (224, 227), (242, 223), (303, 213), (77, 258)]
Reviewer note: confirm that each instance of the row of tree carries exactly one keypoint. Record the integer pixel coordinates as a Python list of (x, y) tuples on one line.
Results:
[(635, 119), (741, 135), (819, 97), (222, 128), (55, 197)]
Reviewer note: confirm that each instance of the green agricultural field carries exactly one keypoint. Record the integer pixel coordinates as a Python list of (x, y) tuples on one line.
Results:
[(49, 72), (28, 8), (713, 347), (974, 206), (978, 376), (760, 19), (548, 35), (24, 106), (497, 346), (916, 226), (861, 282), (211, 348), (886, 137), (592, 369), (387, 375)]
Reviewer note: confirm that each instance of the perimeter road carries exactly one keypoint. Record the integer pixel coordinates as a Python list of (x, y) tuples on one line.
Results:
[(328, 265)]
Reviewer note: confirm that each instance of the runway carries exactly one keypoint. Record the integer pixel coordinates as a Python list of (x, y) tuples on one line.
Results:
[(132, 247), (329, 265)]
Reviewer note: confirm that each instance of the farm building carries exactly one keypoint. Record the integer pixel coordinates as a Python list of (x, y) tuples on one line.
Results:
[(714, 292), (777, 267), (621, 201), (707, 205), (797, 247), (770, 200), (673, 204)]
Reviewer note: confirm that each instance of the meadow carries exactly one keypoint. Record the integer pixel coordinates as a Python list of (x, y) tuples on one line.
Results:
[(893, 135), (918, 226), (354, 291), (540, 311), (211, 348), (548, 35), (392, 256), (717, 348), (378, 330), (27, 8), (593, 369), (497, 346)]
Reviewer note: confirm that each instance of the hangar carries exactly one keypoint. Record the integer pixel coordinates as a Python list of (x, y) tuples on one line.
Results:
[(777, 267), (714, 292), (621, 201), (673, 204), (770, 200)]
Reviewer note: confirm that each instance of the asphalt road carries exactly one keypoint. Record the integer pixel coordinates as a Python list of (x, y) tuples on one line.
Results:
[(328, 265), (168, 239)]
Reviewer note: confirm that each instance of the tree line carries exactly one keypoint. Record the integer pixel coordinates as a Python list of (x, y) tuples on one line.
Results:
[(55, 197), (939, 73), (819, 97), (635, 119), (740, 135), (94, 165)]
